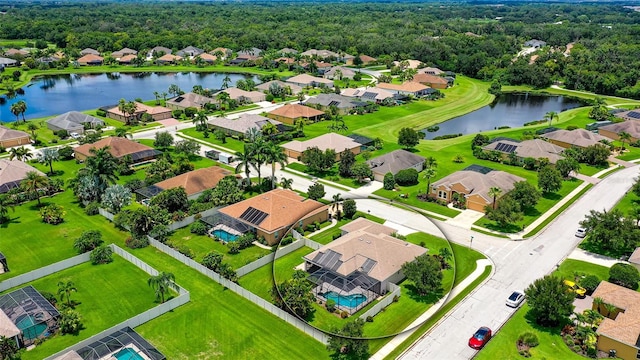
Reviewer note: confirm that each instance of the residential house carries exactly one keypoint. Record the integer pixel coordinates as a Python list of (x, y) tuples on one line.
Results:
[(294, 89), (412, 64), (333, 141), (4, 62), (433, 81), (222, 52), (244, 123), (271, 215), (579, 138), (73, 122), (322, 54), (243, 58), (90, 59), (190, 51), (535, 43), (473, 185), (535, 148), (127, 59), (634, 259), (286, 61), (407, 88), (325, 102), (89, 51), (122, 52), (156, 112), (194, 182), (208, 58), (187, 100), (308, 80), (371, 94), (251, 52), (242, 96), (168, 59), (158, 51), (287, 51), (290, 113), (339, 72), (431, 71), (612, 131), (119, 148), (12, 172), (366, 60), (633, 115), (393, 162), (15, 52), (620, 329), (364, 261), (10, 137)]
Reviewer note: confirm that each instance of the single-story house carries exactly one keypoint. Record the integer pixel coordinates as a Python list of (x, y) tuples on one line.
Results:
[(627, 115), (122, 52), (264, 87), (255, 52), (127, 59), (10, 137), (289, 113), (222, 52), (158, 51), (323, 54), (632, 127), (243, 96), (431, 71), (535, 43), (156, 112), (272, 214), (395, 161), (372, 94), (12, 172), (90, 59), (344, 104), (366, 60), (434, 81), (119, 148), (412, 64), (287, 51), (474, 186), (208, 58), (634, 259), (73, 121), (407, 88), (339, 72), (285, 60), (535, 148), (242, 58), (189, 99), (89, 51), (333, 141), (168, 59), (190, 51), (620, 329), (194, 182), (363, 261), (16, 52), (242, 124), (308, 80), (7, 62), (578, 137)]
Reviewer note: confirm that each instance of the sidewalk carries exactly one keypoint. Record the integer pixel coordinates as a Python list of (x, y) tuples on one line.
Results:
[(583, 255), (398, 339)]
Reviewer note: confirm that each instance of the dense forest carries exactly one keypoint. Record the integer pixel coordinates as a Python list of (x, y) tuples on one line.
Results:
[(477, 40)]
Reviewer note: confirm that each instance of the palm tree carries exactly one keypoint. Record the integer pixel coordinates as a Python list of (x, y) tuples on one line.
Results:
[(222, 98), (31, 126), (226, 81), (259, 149), (286, 183), (123, 133), (164, 97), (299, 125), (269, 129), (429, 173), (48, 156), (15, 110), (33, 182), (598, 302), (20, 153), (102, 165), (430, 162), (275, 155), (495, 192), (245, 162), (336, 201), (550, 116), (200, 119), (122, 107), (5, 205), (624, 138), (162, 283), (65, 289), (157, 95), (611, 309)]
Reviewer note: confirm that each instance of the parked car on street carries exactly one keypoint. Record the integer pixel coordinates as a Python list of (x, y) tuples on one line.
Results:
[(480, 338), (515, 299), (581, 232)]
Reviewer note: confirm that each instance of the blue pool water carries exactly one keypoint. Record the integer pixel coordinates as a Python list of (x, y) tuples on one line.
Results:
[(349, 301), (224, 235), (128, 354), (30, 328)]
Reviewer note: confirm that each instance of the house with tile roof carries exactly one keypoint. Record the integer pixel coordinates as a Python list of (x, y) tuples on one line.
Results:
[(244, 123), (119, 148), (433, 81), (190, 52), (628, 115), (127, 59), (168, 59), (264, 87), (158, 51), (612, 131), (156, 112), (366, 60), (187, 100), (578, 137), (290, 113), (372, 94), (15, 52), (339, 72), (90, 59), (208, 58), (320, 53), (194, 182), (73, 121), (10, 137), (620, 329), (12, 172), (89, 51), (431, 71), (535, 149), (272, 214), (395, 161), (325, 102), (333, 141), (412, 64), (308, 80), (242, 96), (407, 88), (473, 186), (122, 52)]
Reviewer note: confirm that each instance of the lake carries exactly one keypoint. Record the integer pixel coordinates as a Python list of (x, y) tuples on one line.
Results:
[(54, 95), (513, 110)]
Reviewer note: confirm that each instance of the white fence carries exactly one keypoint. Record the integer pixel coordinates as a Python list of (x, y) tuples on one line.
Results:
[(307, 242), (394, 290), (174, 225), (291, 319), (43, 271), (106, 214)]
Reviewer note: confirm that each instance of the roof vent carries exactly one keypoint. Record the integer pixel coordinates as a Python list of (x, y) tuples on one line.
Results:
[(368, 241)]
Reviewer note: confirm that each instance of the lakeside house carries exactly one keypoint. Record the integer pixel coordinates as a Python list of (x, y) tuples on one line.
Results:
[(119, 148), (90, 59), (89, 51), (190, 51), (290, 113), (633, 115), (612, 131), (10, 138), (242, 96), (333, 141), (187, 100), (73, 122), (157, 52), (433, 81), (536, 149), (407, 88), (578, 137), (12, 172), (122, 52), (168, 59), (156, 112)]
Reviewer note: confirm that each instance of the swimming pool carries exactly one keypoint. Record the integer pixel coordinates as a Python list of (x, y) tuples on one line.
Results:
[(30, 327), (224, 235), (128, 354), (349, 301)]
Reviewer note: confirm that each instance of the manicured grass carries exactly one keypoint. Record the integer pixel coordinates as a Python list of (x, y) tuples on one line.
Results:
[(571, 267), (231, 143), (610, 100), (556, 213), (410, 197), (628, 202), (201, 245), (107, 295), (331, 175), (326, 236), (490, 233)]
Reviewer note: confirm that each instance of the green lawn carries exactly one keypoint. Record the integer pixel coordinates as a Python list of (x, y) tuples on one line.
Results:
[(331, 174), (628, 202), (107, 295), (326, 236), (201, 245), (230, 143)]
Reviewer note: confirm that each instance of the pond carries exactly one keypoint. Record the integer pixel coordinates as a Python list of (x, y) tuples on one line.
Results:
[(513, 110), (54, 95)]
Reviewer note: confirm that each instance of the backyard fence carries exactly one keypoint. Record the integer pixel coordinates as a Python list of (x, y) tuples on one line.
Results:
[(282, 251), (393, 291), (307, 242), (174, 225), (106, 214), (43, 271)]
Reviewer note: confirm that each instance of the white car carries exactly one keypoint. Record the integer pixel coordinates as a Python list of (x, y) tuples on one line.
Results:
[(516, 298), (581, 232), (75, 135)]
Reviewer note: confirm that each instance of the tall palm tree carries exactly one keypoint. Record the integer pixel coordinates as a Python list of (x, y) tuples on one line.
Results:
[(123, 133), (48, 156), (102, 165), (226, 81), (429, 173), (624, 137), (286, 183), (336, 201), (33, 182), (299, 124), (20, 153), (550, 116), (15, 110), (259, 150), (5, 206), (430, 162), (164, 97), (245, 163), (162, 283), (122, 107), (31, 126), (223, 98), (65, 289), (23, 108), (157, 95), (495, 192), (200, 119), (275, 155)]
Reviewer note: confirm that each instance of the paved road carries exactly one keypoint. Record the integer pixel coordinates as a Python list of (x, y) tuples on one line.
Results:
[(518, 263)]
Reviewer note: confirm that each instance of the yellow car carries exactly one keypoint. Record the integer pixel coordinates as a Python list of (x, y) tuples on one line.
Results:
[(573, 287)]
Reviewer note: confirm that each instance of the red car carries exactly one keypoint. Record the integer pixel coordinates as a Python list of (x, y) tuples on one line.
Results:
[(480, 338)]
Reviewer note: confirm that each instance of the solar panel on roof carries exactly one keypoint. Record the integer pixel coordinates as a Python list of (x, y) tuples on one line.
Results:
[(368, 265), (634, 114), (334, 103), (329, 260), (508, 148), (369, 95), (253, 216)]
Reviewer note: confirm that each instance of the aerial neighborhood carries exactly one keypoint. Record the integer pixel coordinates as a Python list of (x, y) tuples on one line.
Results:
[(465, 190)]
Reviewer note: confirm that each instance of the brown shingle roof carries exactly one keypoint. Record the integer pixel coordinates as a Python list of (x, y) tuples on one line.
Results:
[(90, 58), (12, 172), (535, 148), (324, 142), (308, 79), (196, 181), (169, 58), (140, 108), (7, 327), (294, 111), (283, 208), (429, 79), (9, 134), (127, 58), (478, 183), (630, 126), (408, 86), (118, 147), (578, 137), (367, 225), (367, 59), (626, 326), (395, 161)]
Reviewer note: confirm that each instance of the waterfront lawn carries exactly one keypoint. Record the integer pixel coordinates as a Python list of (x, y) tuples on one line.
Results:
[(201, 245), (327, 236), (232, 144), (107, 295)]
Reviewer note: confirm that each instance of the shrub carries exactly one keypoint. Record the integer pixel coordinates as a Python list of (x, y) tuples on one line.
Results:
[(234, 247), (101, 112), (52, 214), (624, 275), (525, 353), (184, 250), (198, 227), (101, 255), (389, 181), (570, 342), (407, 177), (287, 240), (369, 318), (592, 352), (577, 348), (269, 98), (88, 240), (70, 322), (62, 134), (344, 314), (330, 305), (572, 127), (212, 260), (92, 208), (590, 283), (529, 339), (349, 208), (136, 242), (396, 298), (176, 114)]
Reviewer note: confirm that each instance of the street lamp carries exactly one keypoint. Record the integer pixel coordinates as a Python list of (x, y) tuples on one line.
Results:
[(471, 242)]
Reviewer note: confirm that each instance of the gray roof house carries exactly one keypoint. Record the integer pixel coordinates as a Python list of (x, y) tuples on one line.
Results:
[(535, 43), (578, 137), (89, 51), (285, 51), (7, 62), (251, 52), (343, 103), (242, 124), (393, 162), (190, 51), (535, 148), (158, 51), (73, 121), (339, 72), (189, 99), (265, 86), (372, 94)]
